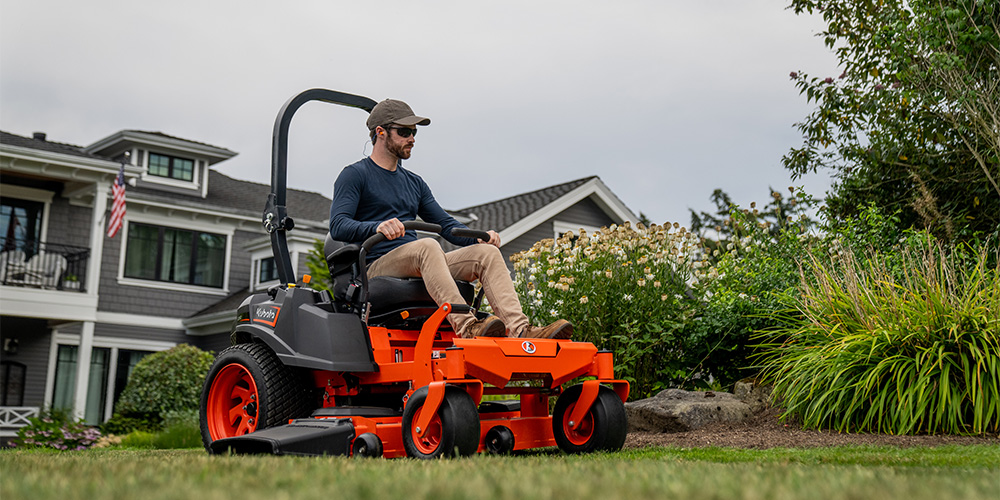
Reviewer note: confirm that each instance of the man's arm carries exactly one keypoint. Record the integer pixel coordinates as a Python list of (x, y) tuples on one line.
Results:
[(346, 196)]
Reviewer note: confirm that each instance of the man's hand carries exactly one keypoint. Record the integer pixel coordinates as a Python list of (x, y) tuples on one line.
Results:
[(494, 238), (391, 228)]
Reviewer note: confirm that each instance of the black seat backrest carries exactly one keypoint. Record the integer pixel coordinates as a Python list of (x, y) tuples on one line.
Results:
[(386, 294)]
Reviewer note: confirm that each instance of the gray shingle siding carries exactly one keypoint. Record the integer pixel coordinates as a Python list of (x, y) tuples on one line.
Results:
[(34, 339), (141, 333), (68, 224)]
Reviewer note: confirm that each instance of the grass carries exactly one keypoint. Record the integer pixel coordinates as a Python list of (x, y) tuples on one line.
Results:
[(966, 472)]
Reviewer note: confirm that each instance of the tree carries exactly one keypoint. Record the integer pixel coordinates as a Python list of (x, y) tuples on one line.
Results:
[(913, 121), (718, 228)]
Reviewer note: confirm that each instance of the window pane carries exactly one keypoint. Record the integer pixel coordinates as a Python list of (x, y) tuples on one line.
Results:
[(140, 251), (175, 263), (127, 360), (65, 383), (268, 271), (159, 165), (211, 260), (97, 386), (20, 224), (183, 169)]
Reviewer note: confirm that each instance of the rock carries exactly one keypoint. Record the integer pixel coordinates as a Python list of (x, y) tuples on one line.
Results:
[(757, 396), (676, 410)]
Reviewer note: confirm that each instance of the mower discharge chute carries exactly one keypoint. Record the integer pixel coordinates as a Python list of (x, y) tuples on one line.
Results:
[(373, 368)]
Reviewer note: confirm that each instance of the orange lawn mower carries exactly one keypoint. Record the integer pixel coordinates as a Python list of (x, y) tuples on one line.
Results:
[(373, 369)]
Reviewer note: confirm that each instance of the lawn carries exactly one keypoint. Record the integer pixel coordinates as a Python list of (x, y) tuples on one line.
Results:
[(965, 472)]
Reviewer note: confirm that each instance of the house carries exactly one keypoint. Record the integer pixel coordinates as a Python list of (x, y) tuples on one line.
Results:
[(79, 309)]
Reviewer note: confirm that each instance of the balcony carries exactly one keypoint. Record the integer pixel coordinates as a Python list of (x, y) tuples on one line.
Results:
[(47, 266)]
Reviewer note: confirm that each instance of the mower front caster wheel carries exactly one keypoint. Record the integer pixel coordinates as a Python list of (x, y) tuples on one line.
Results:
[(452, 431), (367, 445), (603, 428), (500, 440)]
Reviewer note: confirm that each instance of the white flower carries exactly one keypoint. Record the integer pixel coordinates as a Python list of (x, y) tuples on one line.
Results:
[(584, 299), (628, 297), (553, 313)]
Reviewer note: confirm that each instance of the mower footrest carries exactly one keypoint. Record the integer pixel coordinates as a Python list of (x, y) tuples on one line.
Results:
[(502, 406), (307, 436), (356, 411)]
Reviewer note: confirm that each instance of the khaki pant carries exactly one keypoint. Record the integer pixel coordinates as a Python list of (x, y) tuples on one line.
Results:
[(426, 259)]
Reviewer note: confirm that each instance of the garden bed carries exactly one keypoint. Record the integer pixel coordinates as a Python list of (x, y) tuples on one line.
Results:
[(765, 430)]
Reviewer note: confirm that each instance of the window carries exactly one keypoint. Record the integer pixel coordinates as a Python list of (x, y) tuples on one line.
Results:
[(12, 383), (175, 255), (170, 166), (21, 224), (268, 270)]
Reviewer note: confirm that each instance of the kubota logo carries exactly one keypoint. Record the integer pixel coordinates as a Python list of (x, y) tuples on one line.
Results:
[(528, 347), (266, 314)]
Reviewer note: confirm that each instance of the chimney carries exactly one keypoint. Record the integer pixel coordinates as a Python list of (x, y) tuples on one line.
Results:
[(38, 136)]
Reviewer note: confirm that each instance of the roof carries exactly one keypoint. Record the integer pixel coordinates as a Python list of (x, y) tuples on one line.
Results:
[(246, 197), (501, 214), (174, 137), (46, 145)]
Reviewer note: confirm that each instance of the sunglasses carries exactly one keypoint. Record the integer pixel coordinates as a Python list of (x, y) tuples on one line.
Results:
[(403, 132)]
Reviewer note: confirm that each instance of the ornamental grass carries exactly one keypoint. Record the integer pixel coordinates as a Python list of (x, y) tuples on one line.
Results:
[(903, 343)]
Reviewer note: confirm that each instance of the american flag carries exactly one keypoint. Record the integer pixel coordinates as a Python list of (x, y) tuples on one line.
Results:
[(118, 203)]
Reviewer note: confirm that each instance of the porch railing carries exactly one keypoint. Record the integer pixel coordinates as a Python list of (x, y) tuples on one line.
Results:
[(13, 418), (37, 264)]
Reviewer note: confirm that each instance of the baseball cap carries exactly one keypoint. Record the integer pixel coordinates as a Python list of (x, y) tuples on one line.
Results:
[(393, 111)]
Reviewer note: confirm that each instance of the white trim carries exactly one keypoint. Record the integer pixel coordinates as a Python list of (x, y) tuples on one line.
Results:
[(559, 227), (57, 305), (109, 388), (594, 189), (126, 319), (119, 342), (173, 287), (61, 165), (213, 154)]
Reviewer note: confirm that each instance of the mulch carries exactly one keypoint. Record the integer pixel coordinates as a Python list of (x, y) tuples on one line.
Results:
[(766, 430)]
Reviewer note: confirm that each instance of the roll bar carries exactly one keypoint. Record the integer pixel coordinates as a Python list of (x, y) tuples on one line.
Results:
[(275, 218)]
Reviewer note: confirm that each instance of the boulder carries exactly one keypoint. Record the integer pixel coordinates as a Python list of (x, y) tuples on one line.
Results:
[(754, 394), (676, 410)]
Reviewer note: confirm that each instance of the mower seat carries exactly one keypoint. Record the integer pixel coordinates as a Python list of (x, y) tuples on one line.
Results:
[(388, 295)]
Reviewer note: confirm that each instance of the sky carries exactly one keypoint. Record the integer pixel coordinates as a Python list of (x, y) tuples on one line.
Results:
[(664, 100)]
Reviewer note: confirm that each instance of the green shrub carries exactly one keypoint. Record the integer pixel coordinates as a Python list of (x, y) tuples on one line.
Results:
[(756, 269), (163, 382), (897, 344), (57, 430), (181, 429), (139, 439), (120, 424)]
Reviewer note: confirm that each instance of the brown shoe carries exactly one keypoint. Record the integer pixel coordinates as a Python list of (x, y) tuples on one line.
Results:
[(560, 329), (491, 326)]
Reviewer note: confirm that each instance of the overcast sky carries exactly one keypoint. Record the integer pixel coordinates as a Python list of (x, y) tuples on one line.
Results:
[(664, 100)]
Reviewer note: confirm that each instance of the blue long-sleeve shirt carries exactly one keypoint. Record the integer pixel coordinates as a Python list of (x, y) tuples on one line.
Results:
[(365, 195)]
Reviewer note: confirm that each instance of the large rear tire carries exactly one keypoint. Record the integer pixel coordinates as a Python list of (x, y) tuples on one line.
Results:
[(248, 389), (603, 427), (453, 431)]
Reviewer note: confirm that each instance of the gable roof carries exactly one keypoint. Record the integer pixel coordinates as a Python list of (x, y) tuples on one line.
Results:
[(501, 214), (514, 216)]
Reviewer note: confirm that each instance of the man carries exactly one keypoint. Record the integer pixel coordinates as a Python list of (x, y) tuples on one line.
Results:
[(376, 193)]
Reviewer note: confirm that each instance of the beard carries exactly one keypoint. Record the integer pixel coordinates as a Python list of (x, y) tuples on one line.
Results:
[(400, 149)]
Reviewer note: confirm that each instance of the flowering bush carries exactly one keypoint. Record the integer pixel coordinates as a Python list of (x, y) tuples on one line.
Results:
[(630, 290), (55, 429)]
